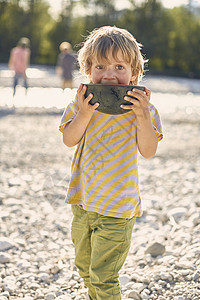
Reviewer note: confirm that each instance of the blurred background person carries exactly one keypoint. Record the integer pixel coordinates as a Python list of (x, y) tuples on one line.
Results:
[(19, 61), (66, 63)]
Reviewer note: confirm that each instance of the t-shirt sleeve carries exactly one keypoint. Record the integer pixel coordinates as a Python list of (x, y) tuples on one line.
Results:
[(68, 115), (156, 122)]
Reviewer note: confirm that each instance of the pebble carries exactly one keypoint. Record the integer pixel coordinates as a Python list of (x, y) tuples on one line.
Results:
[(4, 258), (36, 252), (155, 249), (177, 213), (6, 243), (50, 296), (44, 277), (124, 279), (134, 295)]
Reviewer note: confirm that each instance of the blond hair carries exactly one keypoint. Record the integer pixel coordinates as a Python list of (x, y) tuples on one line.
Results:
[(107, 38)]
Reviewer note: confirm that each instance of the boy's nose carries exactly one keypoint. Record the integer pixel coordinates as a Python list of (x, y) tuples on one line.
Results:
[(109, 73)]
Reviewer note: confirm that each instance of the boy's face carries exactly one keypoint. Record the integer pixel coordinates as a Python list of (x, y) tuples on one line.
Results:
[(111, 71)]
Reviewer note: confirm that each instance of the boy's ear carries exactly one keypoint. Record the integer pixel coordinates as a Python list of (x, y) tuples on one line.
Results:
[(89, 73), (134, 78)]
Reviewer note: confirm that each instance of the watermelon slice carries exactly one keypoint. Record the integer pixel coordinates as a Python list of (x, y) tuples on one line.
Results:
[(110, 97)]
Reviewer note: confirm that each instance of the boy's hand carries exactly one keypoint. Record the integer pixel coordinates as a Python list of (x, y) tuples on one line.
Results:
[(85, 107), (140, 105)]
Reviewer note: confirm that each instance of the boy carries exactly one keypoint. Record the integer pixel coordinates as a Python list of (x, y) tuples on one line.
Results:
[(103, 189)]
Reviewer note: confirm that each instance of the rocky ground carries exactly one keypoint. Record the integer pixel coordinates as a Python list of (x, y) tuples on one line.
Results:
[(36, 253)]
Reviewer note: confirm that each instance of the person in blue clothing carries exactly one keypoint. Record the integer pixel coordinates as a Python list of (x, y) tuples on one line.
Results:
[(66, 64)]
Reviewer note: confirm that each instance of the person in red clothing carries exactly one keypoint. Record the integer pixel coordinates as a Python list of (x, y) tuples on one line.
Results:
[(19, 61)]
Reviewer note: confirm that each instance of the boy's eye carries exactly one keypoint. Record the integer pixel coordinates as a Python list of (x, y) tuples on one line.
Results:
[(119, 67), (99, 67)]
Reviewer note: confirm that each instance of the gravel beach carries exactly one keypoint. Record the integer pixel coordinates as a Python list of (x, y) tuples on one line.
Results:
[(36, 252)]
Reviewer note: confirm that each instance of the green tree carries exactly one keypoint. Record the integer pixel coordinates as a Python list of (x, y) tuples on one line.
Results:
[(39, 23), (184, 42), (61, 30), (28, 18), (10, 29), (150, 23), (171, 37)]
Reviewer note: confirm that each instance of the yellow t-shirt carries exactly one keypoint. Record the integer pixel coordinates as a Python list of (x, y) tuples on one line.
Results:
[(104, 173)]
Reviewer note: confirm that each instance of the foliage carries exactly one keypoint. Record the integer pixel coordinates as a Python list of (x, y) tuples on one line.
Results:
[(25, 18), (171, 37)]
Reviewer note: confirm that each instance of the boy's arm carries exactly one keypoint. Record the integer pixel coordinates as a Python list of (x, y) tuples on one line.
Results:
[(147, 139), (74, 130)]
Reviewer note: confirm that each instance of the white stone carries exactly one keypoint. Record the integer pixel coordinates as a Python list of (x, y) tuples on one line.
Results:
[(50, 296), (177, 213), (9, 284), (63, 298), (23, 264), (134, 295), (124, 279), (5, 294)]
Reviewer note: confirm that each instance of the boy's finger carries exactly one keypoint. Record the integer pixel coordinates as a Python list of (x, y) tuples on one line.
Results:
[(127, 106), (96, 105), (80, 88), (89, 97), (147, 91)]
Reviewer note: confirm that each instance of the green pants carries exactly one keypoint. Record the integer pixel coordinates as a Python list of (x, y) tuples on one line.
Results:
[(101, 247)]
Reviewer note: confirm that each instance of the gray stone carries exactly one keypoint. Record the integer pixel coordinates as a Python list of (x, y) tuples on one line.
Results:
[(4, 258), (196, 276), (155, 249), (44, 277), (6, 243)]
